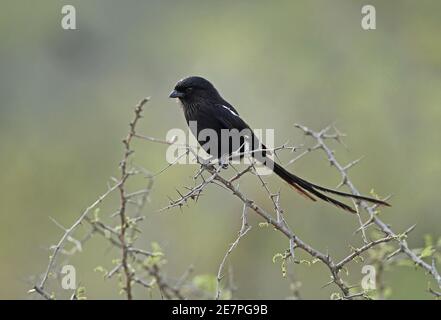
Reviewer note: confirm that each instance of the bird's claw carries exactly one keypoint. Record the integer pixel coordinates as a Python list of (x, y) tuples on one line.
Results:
[(224, 162)]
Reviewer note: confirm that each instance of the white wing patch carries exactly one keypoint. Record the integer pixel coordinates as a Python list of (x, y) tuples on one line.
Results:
[(234, 113)]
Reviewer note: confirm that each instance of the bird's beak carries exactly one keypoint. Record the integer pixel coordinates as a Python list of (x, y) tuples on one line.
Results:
[(176, 94)]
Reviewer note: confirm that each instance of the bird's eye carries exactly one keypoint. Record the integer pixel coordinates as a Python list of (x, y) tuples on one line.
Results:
[(189, 89)]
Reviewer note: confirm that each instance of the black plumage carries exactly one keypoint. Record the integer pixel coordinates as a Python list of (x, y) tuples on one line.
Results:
[(206, 111)]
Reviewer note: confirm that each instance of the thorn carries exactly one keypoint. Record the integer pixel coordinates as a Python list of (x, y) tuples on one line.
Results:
[(328, 284), (364, 226), (179, 193), (342, 183), (58, 224), (410, 229), (353, 163), (171, 200), (393, 254)]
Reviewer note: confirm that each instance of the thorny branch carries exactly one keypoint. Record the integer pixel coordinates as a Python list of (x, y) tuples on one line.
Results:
[(242, 232), (373, 217), (40, 288), (125, 173), (143, 267), (133, 260), (279, 223)]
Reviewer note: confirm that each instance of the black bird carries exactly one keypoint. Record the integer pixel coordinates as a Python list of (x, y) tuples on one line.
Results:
[(204, 106)]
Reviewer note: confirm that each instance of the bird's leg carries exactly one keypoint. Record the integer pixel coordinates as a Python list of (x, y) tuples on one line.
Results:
[(224, 161)]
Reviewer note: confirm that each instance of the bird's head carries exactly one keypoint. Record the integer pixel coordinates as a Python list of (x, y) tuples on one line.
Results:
[(194, 90)]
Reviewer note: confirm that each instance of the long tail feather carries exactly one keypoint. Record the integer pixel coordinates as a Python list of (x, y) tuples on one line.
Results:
[(349, 195), (307, 188)]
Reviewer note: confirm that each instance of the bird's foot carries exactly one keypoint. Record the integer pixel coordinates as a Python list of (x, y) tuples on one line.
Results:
[(224, 162)]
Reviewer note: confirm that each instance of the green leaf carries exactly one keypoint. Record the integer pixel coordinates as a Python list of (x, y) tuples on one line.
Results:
[(304, 261), (206, 282), (277, 256), (428, 240), (100, 269), (335, 296), (96, 215), (427, 252), (81, 293)]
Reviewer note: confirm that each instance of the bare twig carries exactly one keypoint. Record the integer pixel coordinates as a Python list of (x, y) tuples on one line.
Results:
[(40, 287), (319, 136), (143, 267), (125, 173), (242, 232)]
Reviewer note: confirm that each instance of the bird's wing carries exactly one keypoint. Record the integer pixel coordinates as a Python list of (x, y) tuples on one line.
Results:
[(228, 117), (228, 106)]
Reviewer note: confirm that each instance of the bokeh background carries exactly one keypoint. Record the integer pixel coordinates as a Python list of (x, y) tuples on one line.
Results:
[(67, 96)]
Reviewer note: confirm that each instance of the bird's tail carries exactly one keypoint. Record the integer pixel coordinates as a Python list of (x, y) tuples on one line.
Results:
[(310, 190)]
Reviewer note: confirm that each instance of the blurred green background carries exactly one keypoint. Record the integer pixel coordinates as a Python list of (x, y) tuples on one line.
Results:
[(67, 96)]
